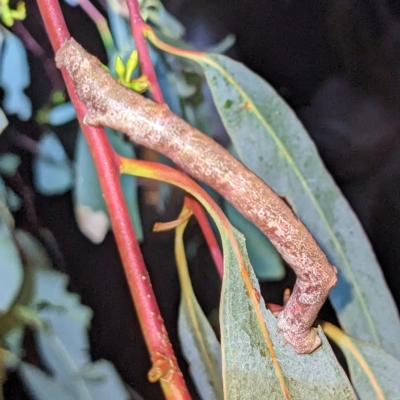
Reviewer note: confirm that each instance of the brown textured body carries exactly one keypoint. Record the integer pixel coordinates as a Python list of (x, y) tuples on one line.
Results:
[(156, 127)]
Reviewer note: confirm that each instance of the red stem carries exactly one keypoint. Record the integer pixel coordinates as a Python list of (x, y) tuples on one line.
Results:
[(208, 233), (138, 26), (165, 366)]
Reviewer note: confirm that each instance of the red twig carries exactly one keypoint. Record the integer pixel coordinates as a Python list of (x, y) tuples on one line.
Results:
[(208, 233), (165, 367), (137, 26)]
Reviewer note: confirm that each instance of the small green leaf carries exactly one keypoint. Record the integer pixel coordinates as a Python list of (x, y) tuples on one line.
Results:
[(52, 171), (120, 68), (139, 86), (131, 65)]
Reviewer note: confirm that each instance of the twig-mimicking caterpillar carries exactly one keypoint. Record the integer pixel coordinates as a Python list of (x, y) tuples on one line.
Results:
[(154, 126)]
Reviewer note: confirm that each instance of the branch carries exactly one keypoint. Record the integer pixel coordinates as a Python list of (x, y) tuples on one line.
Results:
[(165, 367), (156, 127)]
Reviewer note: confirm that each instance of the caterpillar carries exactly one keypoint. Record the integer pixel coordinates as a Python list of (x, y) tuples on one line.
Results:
[(154, 126)]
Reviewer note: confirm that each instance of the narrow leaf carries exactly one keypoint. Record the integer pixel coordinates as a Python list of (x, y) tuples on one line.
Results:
[(374, 373), (272, 142), (199, 344)]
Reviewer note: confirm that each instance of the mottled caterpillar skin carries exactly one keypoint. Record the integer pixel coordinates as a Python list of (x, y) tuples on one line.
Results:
[(156, 127)]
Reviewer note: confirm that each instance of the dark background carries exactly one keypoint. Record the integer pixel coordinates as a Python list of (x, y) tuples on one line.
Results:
[(337, 65)]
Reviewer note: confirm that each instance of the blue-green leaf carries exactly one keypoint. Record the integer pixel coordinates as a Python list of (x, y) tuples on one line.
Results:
[(272, 142), (64, 347), (61, 114), (33, 251), (199, 343), (52, 171), (90, 208), (11, 268), (374, 373), (42, 386), (122, 36), (256, 364), (12, 200), (9, 164), (14, 77)]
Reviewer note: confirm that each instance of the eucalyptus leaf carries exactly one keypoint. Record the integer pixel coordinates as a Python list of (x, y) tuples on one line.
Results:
[(168, 23), (256, 364), (89, 205), (272, 142), (13, 341), (374, 373), (61, 114), (63, 345), (42, 386), (12, 200), (33, 251), (52, 170), (167, 86), (199, 343), (11, 268), (15, 77), (9, 164), (121, 34)]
